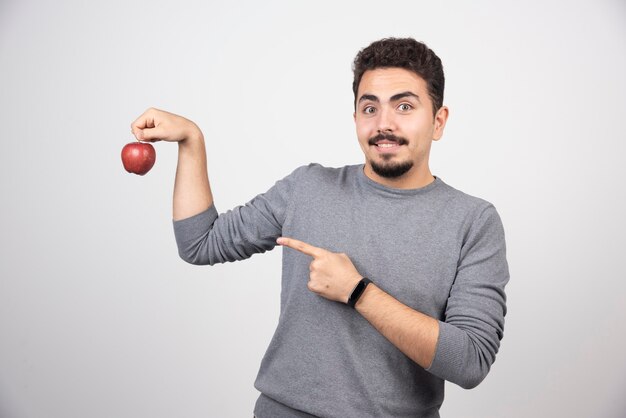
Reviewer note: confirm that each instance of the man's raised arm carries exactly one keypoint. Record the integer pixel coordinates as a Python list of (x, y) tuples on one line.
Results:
[(192, 191)]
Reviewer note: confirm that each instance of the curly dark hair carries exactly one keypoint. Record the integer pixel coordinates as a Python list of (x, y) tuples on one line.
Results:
[(404, 53)]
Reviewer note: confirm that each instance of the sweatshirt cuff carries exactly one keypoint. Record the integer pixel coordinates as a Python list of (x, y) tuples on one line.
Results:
[(449, 354), (456, 360), (195, 226)]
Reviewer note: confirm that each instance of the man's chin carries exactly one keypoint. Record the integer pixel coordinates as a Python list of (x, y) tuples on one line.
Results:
[(391, 170)]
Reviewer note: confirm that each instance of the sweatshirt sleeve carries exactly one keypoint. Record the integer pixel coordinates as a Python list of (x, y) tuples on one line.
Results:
[(470, 335), (210, 238)]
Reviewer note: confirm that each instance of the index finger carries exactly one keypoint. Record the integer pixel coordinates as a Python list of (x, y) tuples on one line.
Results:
[(301, 246)]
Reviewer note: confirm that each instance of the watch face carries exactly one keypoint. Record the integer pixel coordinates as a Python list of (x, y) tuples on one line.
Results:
[(359, 288), (356, 293)]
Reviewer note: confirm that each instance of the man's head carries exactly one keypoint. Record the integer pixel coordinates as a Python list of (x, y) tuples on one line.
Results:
[(404, 53), (398, 92)]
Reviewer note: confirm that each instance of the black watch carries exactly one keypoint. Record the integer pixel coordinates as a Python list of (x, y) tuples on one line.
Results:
[(358, 291)]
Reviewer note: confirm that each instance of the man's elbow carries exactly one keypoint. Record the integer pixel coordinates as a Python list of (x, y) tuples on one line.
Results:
[(194, 258), (473, 376)]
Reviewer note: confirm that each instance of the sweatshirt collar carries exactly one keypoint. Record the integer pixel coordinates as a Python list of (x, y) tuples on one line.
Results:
[(371, 184)]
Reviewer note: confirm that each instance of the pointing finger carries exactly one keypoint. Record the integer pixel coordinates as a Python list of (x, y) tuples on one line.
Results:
[(301, 246)]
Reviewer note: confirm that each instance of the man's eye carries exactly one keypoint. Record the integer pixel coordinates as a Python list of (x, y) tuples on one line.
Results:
[(369, 110), (405, 107)]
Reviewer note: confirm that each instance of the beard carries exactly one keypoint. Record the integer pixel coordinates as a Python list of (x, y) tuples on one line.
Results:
[(386, 169), (391, 170)]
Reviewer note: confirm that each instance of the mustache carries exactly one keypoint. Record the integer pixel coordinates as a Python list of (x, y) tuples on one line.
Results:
[(389, 137)]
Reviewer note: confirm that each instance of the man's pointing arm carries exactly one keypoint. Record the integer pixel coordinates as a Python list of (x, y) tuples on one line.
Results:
[(333, 276)]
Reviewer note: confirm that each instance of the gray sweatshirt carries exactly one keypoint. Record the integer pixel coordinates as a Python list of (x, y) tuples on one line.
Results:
[(435, 249)]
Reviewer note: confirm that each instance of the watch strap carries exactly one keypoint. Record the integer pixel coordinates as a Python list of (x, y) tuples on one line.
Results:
[(358, 291)]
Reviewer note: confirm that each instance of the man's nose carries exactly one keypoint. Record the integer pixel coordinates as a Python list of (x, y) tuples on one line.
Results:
[(385, 121)]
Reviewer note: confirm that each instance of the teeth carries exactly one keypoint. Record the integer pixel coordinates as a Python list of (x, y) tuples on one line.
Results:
[(386, 145)]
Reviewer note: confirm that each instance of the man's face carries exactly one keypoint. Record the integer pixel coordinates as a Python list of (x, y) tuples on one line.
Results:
[(395, 126)]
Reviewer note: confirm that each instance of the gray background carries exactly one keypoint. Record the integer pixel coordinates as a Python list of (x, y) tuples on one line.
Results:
[(99, 317)]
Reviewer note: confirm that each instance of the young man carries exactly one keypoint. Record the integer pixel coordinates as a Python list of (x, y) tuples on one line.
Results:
[(393, 281)]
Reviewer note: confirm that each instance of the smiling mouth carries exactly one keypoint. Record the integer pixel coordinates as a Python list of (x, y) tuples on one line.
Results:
[(387, 142), (387, 145)]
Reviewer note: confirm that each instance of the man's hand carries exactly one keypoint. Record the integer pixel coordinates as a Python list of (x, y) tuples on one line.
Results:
[(333, 275), (159, 125)]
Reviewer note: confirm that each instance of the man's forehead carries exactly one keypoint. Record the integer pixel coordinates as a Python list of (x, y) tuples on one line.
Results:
[(387, 82)]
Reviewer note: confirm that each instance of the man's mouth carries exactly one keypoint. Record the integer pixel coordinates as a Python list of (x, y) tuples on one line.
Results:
[(387, 142)]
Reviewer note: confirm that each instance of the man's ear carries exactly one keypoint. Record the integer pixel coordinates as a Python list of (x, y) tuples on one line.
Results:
[(441, 117)]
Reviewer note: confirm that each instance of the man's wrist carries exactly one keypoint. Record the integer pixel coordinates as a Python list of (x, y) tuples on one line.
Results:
[(369, 291), (193, 145), (194, 137), (358, 291)]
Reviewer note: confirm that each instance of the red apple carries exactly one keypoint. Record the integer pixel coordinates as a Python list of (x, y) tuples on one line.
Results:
[(138, 157)]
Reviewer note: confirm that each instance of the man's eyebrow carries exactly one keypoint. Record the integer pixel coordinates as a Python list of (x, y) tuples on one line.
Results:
[(393, 98), (404, 94), (370, 97)]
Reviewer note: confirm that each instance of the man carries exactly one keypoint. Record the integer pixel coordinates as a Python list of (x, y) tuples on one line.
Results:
[(393, 281)]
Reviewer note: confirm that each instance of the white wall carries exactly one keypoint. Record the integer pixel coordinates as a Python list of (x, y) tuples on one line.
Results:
[(99, 317)]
